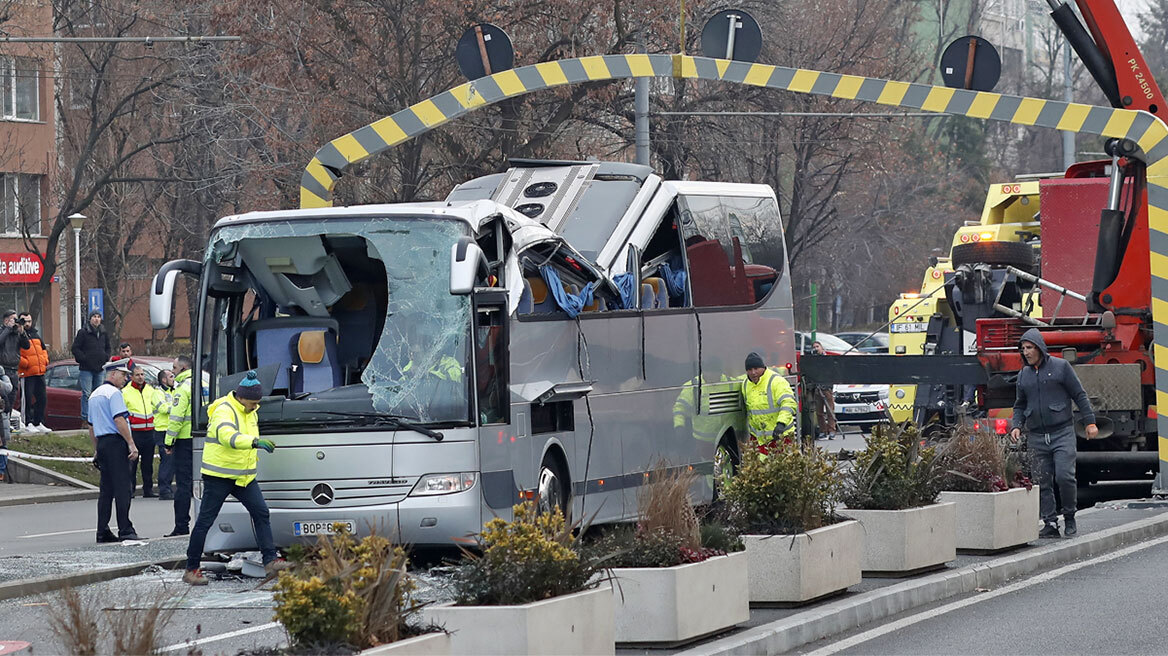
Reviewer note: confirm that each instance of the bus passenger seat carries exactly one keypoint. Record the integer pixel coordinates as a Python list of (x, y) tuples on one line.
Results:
[(542, 301), (660, 290), (648, 297), (526, 303), (314, 353)]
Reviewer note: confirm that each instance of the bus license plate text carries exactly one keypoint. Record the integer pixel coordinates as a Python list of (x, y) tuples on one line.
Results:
[(321, 528)]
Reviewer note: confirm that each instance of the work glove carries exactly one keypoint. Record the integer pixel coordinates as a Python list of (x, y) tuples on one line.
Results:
[(266, 445)]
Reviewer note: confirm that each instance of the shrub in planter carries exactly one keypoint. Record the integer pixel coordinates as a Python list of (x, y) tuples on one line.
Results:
[(672, 588), (532, 557), (797, 548), (529, 592), (789, 491), (997, 507), (894, 471), (978, 460), (345, 591), (892, 491)]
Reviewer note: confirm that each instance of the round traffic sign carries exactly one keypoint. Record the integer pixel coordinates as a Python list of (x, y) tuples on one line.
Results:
[(732, 34), (957, 58), (484, 49)]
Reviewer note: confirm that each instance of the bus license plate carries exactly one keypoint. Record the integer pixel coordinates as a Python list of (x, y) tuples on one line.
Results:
[(321, 528)]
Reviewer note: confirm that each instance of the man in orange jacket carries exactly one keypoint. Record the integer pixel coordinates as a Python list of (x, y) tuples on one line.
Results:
[(34, 361)]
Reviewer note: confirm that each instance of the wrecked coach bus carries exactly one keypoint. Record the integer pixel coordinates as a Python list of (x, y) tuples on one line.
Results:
[(428, 365)]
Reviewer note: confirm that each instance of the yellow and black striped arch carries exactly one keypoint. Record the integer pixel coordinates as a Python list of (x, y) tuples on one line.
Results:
[(1146, 130)]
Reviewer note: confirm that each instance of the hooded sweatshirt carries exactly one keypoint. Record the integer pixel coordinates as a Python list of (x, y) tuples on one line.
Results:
[(1045, 392)]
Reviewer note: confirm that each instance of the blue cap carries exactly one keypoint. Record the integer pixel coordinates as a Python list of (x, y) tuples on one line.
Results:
[(249, 388)]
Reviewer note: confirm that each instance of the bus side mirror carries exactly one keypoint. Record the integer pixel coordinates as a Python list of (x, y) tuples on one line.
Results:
[(162, 291), (467, 264)]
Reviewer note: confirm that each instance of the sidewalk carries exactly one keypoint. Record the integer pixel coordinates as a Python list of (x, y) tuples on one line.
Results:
[(15, 494)]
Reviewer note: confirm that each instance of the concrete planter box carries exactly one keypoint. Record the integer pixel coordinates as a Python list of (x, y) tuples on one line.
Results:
[(430, 644), (989, 521), (908, 540), (678, 604), (580, 623), (818, 563)]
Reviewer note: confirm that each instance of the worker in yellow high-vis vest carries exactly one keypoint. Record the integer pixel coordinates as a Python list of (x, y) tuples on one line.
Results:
[(230, 463), (771, 408)]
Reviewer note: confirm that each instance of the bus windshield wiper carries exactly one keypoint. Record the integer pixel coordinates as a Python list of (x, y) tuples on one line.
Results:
[(396, 421)]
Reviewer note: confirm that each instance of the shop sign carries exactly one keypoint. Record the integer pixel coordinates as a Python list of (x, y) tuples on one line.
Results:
[(20, 267)]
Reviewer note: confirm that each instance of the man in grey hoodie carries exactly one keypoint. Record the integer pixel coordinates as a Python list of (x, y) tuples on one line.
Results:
[(1046, 387)]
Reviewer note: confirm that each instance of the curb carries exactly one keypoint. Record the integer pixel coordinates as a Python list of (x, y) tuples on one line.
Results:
[(830, 619), (44, 584)]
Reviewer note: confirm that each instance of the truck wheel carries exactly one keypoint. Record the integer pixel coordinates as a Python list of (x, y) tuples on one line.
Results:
[(1012, 253)]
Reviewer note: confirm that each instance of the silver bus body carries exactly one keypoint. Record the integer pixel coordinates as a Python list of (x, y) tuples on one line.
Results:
[(530, 402)]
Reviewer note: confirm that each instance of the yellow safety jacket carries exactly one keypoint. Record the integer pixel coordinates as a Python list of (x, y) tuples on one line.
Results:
[(770, 405), (163, 399), (178, 425), (140, 403), (228, 450), (688, 407)]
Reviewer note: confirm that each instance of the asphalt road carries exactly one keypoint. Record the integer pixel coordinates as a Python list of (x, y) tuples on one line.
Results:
[(34, 528), (1112, 604)]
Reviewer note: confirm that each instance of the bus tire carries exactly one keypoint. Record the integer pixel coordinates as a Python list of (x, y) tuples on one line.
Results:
[(1013, 253), (552, 487), (726, 460)]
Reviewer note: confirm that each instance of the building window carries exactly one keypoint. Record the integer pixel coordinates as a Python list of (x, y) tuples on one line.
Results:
[(21, 88), (21, 211)]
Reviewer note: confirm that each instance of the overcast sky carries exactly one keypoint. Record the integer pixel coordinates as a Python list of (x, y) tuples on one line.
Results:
[(1130, 10)]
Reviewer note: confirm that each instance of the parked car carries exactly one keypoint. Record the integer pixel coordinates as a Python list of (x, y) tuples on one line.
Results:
[(866, 342), (63, 390), (861, 404), (832, 345)]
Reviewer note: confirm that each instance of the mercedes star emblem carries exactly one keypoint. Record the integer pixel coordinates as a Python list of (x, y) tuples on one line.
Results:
[(322, 494)]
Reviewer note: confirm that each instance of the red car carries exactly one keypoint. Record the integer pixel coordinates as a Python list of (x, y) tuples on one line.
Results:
[(63, 390)]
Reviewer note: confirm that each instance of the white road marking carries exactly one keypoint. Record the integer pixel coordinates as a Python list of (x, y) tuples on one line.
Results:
[(222, 636), (45, 535), (885, 629)]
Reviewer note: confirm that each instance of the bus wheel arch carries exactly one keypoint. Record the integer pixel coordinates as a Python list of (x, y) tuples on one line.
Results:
[(553, 485)]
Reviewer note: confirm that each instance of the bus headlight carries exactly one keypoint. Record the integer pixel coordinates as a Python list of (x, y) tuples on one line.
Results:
[(432, 484)]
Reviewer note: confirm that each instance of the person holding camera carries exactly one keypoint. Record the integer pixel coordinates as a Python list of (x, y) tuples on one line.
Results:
[(12, 340), (34, 362)]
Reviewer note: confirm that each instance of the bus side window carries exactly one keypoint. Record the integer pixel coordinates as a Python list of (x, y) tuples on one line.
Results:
[(491, 365)]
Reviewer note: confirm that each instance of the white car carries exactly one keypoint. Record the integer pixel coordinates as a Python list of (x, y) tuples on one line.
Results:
[(861, 404)]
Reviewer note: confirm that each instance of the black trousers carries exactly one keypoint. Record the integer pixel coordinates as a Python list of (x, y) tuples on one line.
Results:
[(34, 400), (113, 457), (144, 440), (184, 467)]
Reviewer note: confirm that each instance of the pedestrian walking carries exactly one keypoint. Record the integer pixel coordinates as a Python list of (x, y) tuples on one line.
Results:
[(34, 362), (771, 408), (5, 427), (824, 395), (1046, 386), (140, 402), (163, 400), (179, 446), (12, 341), (91, 349), (109, 429), (230, 463)]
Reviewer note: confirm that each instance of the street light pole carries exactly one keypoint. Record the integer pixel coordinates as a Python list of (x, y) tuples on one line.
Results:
[(76, 220)]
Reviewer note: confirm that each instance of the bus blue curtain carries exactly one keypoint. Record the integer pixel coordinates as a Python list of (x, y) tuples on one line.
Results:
[(568, 302), (624, 284)]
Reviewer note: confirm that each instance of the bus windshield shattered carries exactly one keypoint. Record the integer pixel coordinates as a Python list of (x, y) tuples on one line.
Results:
[(346, 321)]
